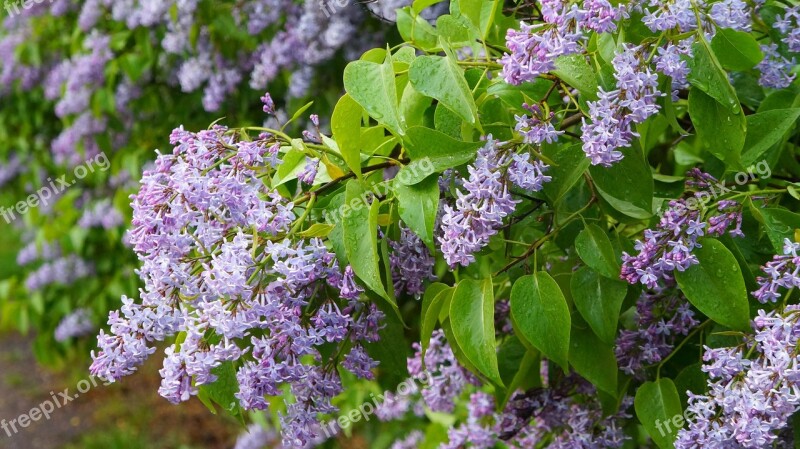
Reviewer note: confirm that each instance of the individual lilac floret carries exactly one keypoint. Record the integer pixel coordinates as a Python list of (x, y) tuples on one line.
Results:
[(612, 117), (782, 272), (670, 246), (775, 68), (536, 129), (733, 14), (535, 48), (411, 262), (661, 317), (752, 389), (76, 324), (789, 24), (527, 175), (269, 105), (479, 213)]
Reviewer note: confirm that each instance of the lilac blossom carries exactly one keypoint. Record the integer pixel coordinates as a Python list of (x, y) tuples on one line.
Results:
[(102, 214), (752, 389), (411, 441), (411, 262), (789, 24), (478, 214), (256, 437), (775, 68), (535, 48), (734, 14), (527, 175), (537, 129), (77, 324), (672, 61), (661, 317), (783, 271), (611, 118), (670, 246)]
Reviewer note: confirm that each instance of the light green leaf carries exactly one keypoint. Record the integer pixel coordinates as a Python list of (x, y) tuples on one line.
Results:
[(736, 50), (436, 296), (441, 78), (360, 227), (779, 224), (658, 408), (373, 87), (576, 71), (766, 129), (433, 151), (346, 129)]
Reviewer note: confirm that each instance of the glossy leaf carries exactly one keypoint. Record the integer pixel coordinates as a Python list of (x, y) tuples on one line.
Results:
[(472, 321), (594, 248), (598, 299), (658, 408)]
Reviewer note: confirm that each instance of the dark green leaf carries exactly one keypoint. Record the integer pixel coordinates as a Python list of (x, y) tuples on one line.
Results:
[(626, 185), (736, 50), (598, 299), (766, 129), (594, 248), (541, 315), (434, 298), (419, 204), (716, 286), (721, 131), (472, 320), (576, 71), (780, 224), (594, 360)]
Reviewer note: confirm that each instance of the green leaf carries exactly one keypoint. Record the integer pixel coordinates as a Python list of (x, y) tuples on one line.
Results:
[(360, 227), (433, 151), (598, 299), (413, 106), (594, 248), (657, 404), (716, 285), (414, 29), (224, 389), (780, 224), (627, 185), (766, 129), (373, 87), (576, 71), (708, 76), (593, 360), (736, 50), (441, 78), (570, 164), (541, 315), (721, 130), (346, 129), (419, 204), (472, 319), (436, 296)]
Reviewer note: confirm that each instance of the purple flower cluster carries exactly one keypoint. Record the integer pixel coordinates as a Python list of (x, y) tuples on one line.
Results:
[(76, 324), (445, 378), (61, 271), (662, 15), (536, 129), (750, 398), (733, 14), (411, 441), (535, 48), (411, 262), (672, 61), (478, 214), (661, 317), (775, 68), (219, 267), (782, 272), (34, 251), (102, 214), (256, 437), (612, 117), (789, 24), (11, 167), (669, 247), (527, 175)]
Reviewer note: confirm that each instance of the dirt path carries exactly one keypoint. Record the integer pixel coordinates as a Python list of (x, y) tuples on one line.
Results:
[(132, 405), (23, 386)]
